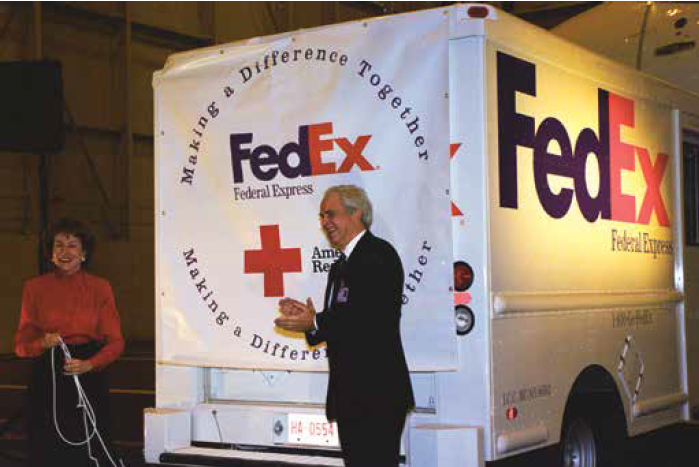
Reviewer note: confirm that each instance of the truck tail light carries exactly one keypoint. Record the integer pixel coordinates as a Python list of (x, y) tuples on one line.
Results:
[(465, 320), (463, 276), (477, 12)]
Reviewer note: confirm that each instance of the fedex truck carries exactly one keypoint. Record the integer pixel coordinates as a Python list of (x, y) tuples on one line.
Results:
[(552, 299)]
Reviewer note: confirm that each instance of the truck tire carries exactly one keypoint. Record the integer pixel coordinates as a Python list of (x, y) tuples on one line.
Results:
[(593, 435)]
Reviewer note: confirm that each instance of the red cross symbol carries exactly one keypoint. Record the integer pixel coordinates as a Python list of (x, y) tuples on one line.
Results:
[(272, 261)]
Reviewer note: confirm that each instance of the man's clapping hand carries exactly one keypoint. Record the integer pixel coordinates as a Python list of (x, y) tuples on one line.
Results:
[(296, 316)]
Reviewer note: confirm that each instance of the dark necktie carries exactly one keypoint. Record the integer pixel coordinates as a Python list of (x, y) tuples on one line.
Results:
[(341, 261)]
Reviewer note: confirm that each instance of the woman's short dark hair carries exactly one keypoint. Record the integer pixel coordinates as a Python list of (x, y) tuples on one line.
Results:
[(75, 228)]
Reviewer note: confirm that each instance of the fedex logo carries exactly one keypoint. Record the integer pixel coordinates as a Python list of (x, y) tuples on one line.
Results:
[(613, 155), (313, 141)]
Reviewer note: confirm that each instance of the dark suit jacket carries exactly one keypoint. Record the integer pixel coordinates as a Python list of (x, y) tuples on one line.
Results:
[(368, 372)]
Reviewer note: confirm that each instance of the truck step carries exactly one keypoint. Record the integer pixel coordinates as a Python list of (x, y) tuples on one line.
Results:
[(238, 458)]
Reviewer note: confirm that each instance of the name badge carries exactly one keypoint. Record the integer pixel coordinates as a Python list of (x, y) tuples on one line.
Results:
[(343, 294)]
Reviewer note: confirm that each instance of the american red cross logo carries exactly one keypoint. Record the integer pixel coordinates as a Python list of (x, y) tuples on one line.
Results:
[(272, 261)]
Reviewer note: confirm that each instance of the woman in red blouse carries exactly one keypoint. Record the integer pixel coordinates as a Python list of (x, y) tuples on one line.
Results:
[(70, 304)]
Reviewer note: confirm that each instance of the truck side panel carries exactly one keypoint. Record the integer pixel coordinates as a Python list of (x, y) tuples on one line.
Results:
[(463, 395), (582, 246)]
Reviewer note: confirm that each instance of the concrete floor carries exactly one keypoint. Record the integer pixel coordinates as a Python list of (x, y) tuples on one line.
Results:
[(670, 447)]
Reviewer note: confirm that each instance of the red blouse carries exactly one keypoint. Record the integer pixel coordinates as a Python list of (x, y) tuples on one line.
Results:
[(80, 307)]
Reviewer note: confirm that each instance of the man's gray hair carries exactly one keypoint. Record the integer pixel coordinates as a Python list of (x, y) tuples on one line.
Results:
[(353, 198)]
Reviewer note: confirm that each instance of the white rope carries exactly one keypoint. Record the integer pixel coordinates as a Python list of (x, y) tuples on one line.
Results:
[(88, 412)]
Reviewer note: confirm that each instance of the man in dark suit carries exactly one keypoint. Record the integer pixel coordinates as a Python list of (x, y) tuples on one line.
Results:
[(369, 390)]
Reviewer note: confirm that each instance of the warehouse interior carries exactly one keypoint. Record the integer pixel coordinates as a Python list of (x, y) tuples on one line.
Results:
[(98, 166)]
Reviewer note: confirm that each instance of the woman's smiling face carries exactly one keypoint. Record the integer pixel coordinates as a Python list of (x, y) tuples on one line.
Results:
[(68, 253)]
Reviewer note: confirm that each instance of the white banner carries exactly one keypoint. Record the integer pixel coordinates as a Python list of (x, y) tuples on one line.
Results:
[(248, 139)]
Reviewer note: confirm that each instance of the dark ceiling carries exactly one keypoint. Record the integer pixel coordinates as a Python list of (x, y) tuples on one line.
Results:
[(545, 14)]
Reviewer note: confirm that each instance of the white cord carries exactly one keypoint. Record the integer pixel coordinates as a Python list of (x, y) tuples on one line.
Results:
[(84, 404)]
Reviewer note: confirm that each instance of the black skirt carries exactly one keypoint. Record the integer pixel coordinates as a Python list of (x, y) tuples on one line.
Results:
[(46, 447)]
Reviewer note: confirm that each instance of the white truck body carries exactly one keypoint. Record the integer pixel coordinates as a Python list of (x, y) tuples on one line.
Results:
[(584, 279)]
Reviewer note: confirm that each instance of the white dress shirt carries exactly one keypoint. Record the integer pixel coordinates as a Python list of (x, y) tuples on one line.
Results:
[(347, 251), (353, 243)]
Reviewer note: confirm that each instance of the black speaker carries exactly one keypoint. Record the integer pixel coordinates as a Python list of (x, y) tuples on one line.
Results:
[(31, 107)]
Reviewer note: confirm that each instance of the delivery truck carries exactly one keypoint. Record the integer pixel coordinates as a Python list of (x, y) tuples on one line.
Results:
[(544, 201)]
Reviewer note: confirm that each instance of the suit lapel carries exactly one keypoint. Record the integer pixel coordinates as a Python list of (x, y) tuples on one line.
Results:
[(329, 286), (333, 279)]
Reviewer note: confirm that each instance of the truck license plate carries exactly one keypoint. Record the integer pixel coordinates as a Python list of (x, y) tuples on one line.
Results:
[(310, 429)]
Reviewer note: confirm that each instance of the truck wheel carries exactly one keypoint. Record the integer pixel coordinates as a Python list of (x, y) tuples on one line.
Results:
[(578, 446), (593, 436)]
